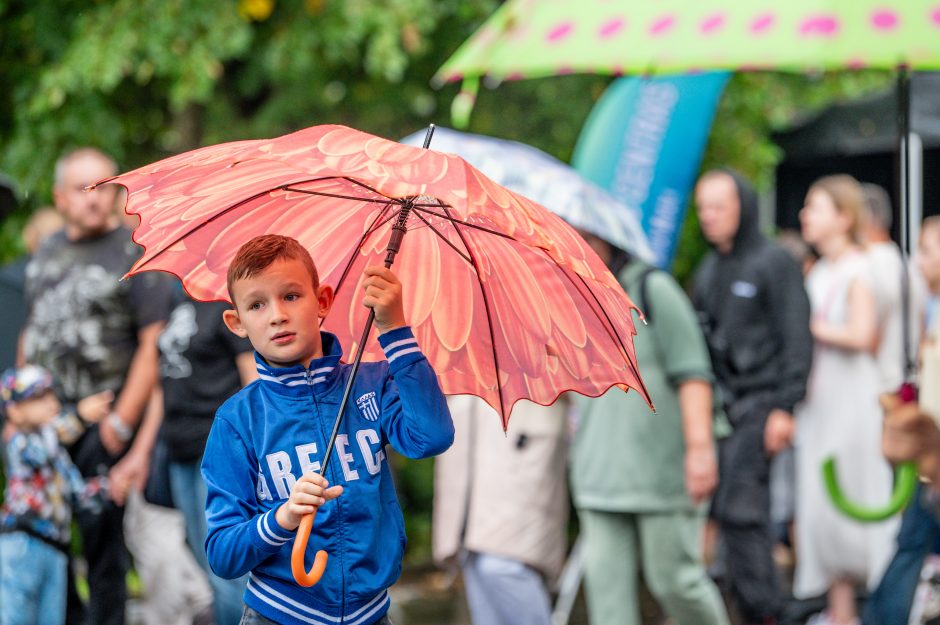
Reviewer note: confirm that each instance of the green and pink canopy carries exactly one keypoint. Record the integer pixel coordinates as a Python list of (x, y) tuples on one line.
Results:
[(535, 38)]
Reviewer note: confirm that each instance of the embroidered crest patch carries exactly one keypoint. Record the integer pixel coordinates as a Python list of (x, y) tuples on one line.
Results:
[(368, 407)]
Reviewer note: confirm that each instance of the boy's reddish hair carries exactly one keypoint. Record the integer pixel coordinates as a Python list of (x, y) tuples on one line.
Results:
[(260, 252)]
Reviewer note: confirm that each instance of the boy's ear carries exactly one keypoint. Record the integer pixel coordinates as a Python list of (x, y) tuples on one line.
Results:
[(234, 323), (325, 298)]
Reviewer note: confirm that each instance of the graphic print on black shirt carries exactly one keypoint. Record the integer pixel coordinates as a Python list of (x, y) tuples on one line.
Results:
[(198, 372), (83, 319)]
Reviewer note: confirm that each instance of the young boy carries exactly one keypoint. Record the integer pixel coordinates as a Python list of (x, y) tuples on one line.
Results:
[(42, 485), (267, 443)]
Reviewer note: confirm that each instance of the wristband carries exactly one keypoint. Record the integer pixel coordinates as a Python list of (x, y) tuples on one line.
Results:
[(123, 431)]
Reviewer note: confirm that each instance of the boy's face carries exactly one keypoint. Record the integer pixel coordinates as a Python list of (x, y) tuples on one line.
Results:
[(279, 311), (928, 258), (35, 411)]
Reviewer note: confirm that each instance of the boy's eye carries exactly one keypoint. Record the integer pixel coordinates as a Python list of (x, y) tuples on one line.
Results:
[(254, 306), (290, 297)]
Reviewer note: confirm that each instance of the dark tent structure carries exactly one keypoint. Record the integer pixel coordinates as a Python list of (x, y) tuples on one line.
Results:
[(860, 138)]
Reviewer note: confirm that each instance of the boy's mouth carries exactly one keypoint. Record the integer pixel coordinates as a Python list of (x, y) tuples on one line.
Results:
[(282, 338)]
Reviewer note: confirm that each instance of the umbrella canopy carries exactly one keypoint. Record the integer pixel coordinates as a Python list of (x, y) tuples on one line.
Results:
[(532, 38), (506, 300), (550, 182)]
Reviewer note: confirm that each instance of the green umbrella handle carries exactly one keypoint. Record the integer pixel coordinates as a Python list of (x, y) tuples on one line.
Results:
[(905, 481)]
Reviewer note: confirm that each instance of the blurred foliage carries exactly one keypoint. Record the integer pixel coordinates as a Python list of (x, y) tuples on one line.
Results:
[(415, 484), (144, 79)]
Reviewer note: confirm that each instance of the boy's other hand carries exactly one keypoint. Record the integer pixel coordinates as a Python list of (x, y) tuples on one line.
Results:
[(309, 493), (94, 408), (383, 295)]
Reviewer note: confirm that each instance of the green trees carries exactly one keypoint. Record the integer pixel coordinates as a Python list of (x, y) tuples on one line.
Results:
[(144, 79)]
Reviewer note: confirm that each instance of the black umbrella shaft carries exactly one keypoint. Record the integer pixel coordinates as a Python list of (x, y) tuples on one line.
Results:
[(394, 244), (904, 195)]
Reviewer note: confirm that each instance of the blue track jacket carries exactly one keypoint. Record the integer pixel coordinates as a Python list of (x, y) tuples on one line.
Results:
[(273, 431)]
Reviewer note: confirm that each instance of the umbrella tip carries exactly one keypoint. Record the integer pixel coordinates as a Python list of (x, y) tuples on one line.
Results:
[(427, 137)]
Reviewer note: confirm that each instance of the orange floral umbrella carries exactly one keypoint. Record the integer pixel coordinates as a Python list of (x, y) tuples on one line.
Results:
[(506, 300)]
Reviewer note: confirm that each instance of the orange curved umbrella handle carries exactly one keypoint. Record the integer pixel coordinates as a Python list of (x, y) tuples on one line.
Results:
[(303, 577)]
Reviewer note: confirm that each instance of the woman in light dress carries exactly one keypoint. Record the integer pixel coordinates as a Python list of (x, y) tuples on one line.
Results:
[(840, 416)]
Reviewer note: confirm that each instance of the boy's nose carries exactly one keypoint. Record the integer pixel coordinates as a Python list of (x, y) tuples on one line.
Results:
[(277, 314)]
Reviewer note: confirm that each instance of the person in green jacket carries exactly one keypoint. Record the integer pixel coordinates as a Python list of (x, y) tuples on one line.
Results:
[(639, 479)]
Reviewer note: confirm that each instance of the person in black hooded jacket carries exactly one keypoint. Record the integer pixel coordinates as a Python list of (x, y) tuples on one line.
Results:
[(755, 313)]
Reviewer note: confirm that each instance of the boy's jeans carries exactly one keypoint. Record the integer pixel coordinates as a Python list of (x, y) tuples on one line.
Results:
[(32, 581), (250, 617)]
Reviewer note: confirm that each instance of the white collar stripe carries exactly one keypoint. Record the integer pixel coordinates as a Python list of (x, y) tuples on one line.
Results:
[(287, 376), (303, 377), (403, 352), (269, 378), (401, 343)]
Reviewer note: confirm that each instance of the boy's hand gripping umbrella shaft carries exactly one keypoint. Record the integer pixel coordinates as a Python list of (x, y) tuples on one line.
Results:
[(301, 575)]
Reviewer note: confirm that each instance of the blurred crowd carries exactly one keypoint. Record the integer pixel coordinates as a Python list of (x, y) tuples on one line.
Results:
[(784, 353)]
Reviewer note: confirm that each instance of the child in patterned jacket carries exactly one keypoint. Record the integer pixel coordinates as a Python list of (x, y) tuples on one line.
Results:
[(42, 487)]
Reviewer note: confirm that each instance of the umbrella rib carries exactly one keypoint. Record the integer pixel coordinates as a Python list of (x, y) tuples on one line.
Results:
[(352, 257), (443, 238), (343, 197), (610, 324), (486, 306), (226, 211), (456, 221), (439, 204), (365, 186)]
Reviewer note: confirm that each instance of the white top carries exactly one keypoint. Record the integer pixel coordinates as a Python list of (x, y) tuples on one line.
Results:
[(840, 418)]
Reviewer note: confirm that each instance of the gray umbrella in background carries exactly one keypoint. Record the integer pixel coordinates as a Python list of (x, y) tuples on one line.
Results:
[(548, 181)]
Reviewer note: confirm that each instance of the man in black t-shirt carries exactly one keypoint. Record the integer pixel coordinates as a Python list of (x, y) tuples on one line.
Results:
[(95, 332)]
